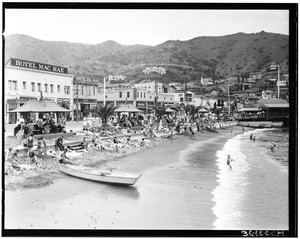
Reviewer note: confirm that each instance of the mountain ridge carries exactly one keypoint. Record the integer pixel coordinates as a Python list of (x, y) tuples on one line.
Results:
[(209, 56)]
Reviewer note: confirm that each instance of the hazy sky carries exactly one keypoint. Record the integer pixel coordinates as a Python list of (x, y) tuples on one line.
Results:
[(148, 27)]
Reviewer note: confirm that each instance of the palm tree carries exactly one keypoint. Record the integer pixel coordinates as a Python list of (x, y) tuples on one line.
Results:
[(105, 111), (160, 111), (193, 111)]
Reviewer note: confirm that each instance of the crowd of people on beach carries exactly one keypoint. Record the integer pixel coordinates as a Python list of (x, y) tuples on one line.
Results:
[(46, 125), (118, 135)]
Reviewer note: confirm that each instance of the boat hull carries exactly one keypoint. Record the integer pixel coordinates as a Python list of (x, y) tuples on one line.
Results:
[(117, 178)]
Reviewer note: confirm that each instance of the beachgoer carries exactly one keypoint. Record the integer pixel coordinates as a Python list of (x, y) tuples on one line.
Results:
[(52, 154), (229, 160), (19, 133), (128, 139), (59, 144), (143, 142), (192, 133), (251, 137), (30, 142), (41, 147), (9, 154), (115, 140), (63, 158), (84, 143), (273, 146), (32, 157), (243, 128)]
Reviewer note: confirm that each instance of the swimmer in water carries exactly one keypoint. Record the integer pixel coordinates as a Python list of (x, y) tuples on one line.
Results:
[(229, 160)]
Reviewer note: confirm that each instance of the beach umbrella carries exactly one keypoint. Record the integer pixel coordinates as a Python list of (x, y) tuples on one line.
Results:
[(202, 110), (169, 110)]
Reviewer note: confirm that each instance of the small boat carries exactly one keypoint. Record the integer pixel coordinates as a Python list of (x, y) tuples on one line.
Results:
[(102, 176)]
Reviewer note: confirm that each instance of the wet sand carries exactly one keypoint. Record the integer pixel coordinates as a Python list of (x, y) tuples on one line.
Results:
[(175, 192)]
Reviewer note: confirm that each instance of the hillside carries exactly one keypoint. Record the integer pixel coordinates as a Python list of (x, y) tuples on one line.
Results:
[(209, 56)]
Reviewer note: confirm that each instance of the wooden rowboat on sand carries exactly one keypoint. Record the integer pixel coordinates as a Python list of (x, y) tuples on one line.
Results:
[(102, 176)]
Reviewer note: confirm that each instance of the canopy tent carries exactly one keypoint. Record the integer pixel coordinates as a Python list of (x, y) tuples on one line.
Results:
[(127, 108), (169, 110), (202, 110), (39, 106)]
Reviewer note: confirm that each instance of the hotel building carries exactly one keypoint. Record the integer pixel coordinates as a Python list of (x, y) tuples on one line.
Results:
[(25, 80)]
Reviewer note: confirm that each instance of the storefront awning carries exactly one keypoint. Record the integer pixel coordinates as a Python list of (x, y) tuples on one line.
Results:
[(249, 110), (40, 106)]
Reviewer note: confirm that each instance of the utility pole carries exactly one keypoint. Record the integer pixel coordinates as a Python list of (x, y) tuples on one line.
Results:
[(77, 102), (228, 97), (76, 97), (278, 82), (104, 88)]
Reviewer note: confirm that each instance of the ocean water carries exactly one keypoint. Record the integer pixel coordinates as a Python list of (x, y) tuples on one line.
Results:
[(254, 195)]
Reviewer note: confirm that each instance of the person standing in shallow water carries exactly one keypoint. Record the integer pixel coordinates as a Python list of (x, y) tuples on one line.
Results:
[(273, 146), (251, 137), (229, 160)]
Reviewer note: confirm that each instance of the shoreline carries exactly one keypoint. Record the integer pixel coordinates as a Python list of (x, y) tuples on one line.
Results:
[(167, 183), (176, 191), (255, 192)]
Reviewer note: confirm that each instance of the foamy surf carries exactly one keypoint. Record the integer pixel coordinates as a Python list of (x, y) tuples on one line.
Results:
[(232, 185)]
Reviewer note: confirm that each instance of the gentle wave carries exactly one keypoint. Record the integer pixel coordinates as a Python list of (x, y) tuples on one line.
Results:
[(232, 185)]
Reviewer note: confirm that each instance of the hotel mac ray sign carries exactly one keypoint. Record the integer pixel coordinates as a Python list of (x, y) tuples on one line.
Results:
[(38, 66)]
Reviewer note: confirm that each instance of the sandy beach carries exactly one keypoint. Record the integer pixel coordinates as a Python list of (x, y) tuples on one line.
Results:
[(180, 189)]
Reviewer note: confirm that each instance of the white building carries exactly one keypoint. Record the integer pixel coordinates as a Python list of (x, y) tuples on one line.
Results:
[(25, 80), (256, 75), (206, 81), (150, 86), (116, 78), (140, 98), (156, 69)]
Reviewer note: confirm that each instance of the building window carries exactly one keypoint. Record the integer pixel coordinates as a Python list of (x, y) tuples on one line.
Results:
[(88, 90), (12, 85), (144, 95), (171, 98), (58, 88), (39, 87), (67, 90), (128, 94), (32, 86), (24, 85), (120, 94), (81, 89), (150, 97), (94, 90), (46, 87), (51, 88)]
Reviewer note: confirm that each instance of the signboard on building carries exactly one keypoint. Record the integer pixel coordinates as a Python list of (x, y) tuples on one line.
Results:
[(239, 106), (38, 66), (140, 104), (281, 83)]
